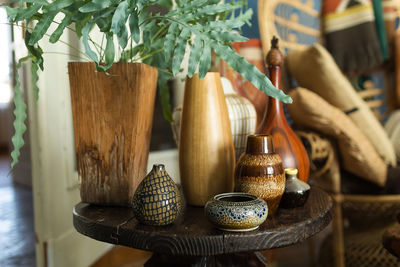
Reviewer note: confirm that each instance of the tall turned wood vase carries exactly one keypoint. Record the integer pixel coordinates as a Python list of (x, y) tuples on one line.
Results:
[(206, 154), (112, 117), (286, 142)]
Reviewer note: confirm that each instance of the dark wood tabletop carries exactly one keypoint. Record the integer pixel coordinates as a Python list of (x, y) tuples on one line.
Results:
[(193, 235)]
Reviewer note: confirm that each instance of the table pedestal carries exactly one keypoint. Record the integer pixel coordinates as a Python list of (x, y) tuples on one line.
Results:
[(250, 259)]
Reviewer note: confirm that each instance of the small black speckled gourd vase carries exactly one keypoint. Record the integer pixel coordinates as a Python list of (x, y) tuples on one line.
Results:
[(157, 200)]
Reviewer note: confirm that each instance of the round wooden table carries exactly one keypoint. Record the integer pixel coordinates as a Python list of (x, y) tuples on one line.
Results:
[(193, 239)]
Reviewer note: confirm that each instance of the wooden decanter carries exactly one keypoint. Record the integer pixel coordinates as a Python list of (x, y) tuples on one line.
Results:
[(286, 142)]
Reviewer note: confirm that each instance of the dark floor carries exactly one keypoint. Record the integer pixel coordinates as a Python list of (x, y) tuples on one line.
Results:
[(17, 239)]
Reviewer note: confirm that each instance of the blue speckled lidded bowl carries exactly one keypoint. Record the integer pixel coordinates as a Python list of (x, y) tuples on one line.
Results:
[(236, 211)]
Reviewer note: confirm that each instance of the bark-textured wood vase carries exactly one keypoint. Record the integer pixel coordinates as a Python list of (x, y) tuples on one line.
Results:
[(286, 142), (206, 154), (112, 117), (259, 171)]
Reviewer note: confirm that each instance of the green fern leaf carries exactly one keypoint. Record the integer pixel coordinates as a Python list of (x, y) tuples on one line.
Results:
[(165, 97), (141, 3), (134, 26), (105, 13), (109, 53), (147, 34), (95, 5), (131, 53), (57, 5), (227, 37), (216, 9), (12, 12), (249, 72), (18, 14), (123, 38), (20, 116), (237, 22), (195, 55), (119, 17), (103, 24), (179, 51), (55, 36), (81, 20), (189, 7), (170, 39), (85, 41), (42, 2), (35, 52), (205, 60), (102, 19), (41, 27), (118, 23), (166, 3), (35, 78)]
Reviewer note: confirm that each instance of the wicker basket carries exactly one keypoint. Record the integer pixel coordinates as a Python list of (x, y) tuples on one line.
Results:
[(369, 212), (362, 248)]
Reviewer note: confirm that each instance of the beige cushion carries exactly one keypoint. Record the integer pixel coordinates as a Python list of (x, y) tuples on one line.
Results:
[(315, 69), (357, 154), (392, 128)]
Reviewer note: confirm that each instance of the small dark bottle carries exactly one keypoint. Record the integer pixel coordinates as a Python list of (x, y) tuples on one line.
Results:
[(296, 191)]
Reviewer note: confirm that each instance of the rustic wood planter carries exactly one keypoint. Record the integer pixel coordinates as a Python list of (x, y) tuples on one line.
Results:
[(112, 125)]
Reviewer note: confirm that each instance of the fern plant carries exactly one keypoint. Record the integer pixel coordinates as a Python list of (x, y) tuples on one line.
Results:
[(133, 33)]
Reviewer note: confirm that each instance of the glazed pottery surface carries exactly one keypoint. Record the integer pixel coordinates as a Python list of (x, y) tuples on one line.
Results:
[(236, 211), (206, 154), (157, 200), (296, 191), (259, 171), (113, 117)]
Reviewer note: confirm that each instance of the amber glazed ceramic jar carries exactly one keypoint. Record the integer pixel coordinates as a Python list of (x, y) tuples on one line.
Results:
[(259, 171)]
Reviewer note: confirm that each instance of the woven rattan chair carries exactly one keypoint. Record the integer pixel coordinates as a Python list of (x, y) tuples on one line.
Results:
[(297, 24)]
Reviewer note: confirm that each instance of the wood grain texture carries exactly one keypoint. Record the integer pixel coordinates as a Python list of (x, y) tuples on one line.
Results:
[(286, 142), (193, 235), (206, 152), (112, 117)]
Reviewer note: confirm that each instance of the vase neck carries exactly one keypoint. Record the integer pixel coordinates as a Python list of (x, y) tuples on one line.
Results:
[(275, 77), (259, 144), (291, 177), (158, 167)]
